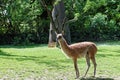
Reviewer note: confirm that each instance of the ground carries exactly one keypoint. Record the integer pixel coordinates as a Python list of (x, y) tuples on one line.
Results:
[(38, 62)]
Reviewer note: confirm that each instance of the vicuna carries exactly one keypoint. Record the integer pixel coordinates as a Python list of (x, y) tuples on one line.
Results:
[(78, 50)]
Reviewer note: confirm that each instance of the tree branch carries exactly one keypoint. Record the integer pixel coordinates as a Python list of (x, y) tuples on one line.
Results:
[(50, 15)]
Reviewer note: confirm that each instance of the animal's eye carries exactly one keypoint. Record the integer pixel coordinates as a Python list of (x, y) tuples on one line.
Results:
[(59, 37)]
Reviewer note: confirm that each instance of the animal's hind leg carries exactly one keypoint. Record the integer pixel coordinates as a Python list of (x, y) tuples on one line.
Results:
[(95, 65), (88, 64)]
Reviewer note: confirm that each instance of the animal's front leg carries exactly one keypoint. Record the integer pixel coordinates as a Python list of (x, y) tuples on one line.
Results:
[(76, 67)]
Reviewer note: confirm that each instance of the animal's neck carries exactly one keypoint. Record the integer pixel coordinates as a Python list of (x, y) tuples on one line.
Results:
[(65, 47), (63, 43)]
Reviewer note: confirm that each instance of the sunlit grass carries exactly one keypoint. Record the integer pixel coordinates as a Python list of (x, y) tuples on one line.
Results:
[(41, 62)]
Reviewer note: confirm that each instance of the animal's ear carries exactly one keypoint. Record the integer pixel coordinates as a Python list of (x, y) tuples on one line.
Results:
[(63, 32), (56, 33), (63, 25)]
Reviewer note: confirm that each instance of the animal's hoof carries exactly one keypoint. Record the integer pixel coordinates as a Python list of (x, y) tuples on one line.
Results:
[(93, 76), (77, 77)]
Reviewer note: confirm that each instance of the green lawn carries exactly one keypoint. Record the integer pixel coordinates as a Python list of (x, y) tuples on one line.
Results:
[(38, 62)]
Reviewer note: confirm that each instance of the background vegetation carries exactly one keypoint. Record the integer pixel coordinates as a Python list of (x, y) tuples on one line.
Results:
[(23, 23)]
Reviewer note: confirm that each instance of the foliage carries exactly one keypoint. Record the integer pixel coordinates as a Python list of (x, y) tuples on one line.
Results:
[(97, 20), (23, 22), (43, 63)]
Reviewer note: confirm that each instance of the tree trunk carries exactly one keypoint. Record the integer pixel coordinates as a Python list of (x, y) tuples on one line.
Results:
[(59, 11)]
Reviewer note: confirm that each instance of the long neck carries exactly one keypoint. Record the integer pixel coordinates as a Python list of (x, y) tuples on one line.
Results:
[(64, 46)]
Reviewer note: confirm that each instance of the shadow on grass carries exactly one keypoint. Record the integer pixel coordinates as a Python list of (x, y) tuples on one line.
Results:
[(23, 46), (96, 78), (106, 55), (18, 57), (39, 60), (109, 43), (117, 53), (4, 54)]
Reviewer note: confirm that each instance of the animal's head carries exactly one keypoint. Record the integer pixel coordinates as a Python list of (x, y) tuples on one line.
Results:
[(59, 37)]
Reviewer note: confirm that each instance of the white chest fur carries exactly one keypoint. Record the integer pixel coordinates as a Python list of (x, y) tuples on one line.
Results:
[(65, 54)]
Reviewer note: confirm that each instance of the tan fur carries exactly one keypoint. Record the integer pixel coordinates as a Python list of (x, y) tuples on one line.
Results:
[(78, 50)]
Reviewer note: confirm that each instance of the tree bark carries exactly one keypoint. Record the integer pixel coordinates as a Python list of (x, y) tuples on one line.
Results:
[(58, 15)]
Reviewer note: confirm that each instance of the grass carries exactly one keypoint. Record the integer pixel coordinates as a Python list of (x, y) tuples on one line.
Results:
[(38, 62)]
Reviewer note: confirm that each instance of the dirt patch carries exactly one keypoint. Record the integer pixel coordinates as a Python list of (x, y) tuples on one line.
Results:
[(100, 78), (96, 78)]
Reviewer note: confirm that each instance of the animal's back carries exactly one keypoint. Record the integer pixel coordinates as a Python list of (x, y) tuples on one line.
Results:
[(80, 49)]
